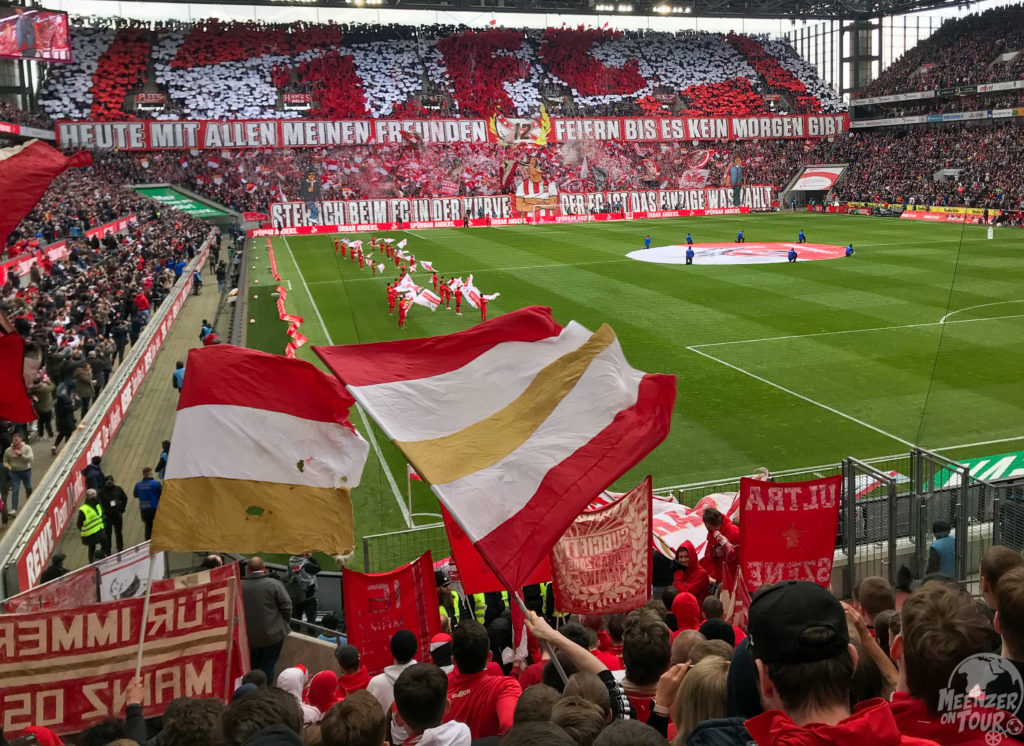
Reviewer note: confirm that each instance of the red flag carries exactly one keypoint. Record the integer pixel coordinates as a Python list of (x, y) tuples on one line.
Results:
[(602, 563), (788, 530), (26, 171), (475, 574), (378, 605), (14, 402)]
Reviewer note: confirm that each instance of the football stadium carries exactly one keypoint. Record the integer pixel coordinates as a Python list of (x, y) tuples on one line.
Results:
[(512, 372)]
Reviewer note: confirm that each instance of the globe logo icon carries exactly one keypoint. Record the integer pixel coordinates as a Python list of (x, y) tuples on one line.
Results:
[(984, 694)]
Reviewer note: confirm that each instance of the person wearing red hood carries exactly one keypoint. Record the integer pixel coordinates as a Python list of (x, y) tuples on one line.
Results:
[(942, 626), (689, 576), (43, 736), (353, 675), (723, 545), (805, 663), (322, 692), (686, 610)]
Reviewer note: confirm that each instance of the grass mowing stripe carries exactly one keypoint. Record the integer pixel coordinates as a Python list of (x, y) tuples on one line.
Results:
[(366, 422), (807, 399)]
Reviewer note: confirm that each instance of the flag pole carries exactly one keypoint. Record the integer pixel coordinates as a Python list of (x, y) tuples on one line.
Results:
[(145, 615), (543, 643)]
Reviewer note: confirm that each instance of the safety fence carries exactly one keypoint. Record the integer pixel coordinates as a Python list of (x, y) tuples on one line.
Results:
[(889, 511)]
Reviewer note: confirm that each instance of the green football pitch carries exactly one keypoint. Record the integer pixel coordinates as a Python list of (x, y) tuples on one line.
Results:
[(918, 339)]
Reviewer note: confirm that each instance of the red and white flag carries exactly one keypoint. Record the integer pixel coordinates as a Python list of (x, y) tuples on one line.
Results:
[(428, 299), (26, 171), (265, 464), (516, 423), (411, 474), (427, 265), (212, 162)]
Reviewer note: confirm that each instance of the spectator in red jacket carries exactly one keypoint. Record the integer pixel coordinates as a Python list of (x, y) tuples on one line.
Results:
[(690, 577), (479, 699), (941, 627), (723, 544), (142, 304), (354, 676)]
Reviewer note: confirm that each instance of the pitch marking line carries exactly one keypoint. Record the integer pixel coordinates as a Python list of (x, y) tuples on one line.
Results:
[(807, 399), (366, 422), (415, 234), (869, 329), (971, 308)]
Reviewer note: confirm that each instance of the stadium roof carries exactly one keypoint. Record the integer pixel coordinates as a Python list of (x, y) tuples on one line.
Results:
[(797, 10)]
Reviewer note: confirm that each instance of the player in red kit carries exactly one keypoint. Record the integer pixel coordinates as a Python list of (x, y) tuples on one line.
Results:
[(392, 296), (483, 308), (360, 260), (433, 279), (403, 310), (458, 301), (373, 268), (337, 247)]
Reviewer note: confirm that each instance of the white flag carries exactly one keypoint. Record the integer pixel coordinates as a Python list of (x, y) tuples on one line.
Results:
[(427, 265), (380, 268), (427, 298), (407, 284), (412, 266)]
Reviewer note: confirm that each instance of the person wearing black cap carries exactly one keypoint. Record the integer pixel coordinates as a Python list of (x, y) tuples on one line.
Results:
[(805, 664), (382, 686)]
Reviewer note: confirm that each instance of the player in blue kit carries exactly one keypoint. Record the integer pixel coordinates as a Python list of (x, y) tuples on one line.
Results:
[(792, 254), (849, 250), (689, 255), (740, 238), (647, 242), (689, 240), (800, 237)]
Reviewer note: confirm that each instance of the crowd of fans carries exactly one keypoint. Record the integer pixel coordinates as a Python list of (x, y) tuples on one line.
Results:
[(80, 311), (963, 51), (980, 166), (890, 666), (217, 70)]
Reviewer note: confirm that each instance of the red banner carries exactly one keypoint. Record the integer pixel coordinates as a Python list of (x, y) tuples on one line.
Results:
[(378, 605), (309, 133), (474, 574), (68, 669), (62, 506), (308, 230), (78, 588), (581, 206), (602, 563), (788, 530), (254, 217)]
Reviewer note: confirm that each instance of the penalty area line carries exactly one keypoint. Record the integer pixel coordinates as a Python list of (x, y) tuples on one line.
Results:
[(366, 422), (807, 399)]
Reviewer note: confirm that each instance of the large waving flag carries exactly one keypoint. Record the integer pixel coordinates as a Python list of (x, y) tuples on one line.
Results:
[(26, 171), (517, 423), (263, 457), (14, 402)]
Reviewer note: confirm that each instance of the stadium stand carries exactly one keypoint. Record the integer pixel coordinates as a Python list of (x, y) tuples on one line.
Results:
[(963, 51), (217, 70)]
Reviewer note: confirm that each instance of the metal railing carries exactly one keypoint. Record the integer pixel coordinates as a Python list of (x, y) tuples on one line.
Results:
[(889, 505)]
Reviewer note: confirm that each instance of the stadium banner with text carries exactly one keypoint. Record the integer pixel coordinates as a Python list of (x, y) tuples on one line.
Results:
[(377, 604), (819, 178), (603, 563), (10, 128), (35, 553), (78, 588), (506, 206), (23, 264), (308, 133), (68, 669), (788, 530), (948, 217), (312, 230)]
